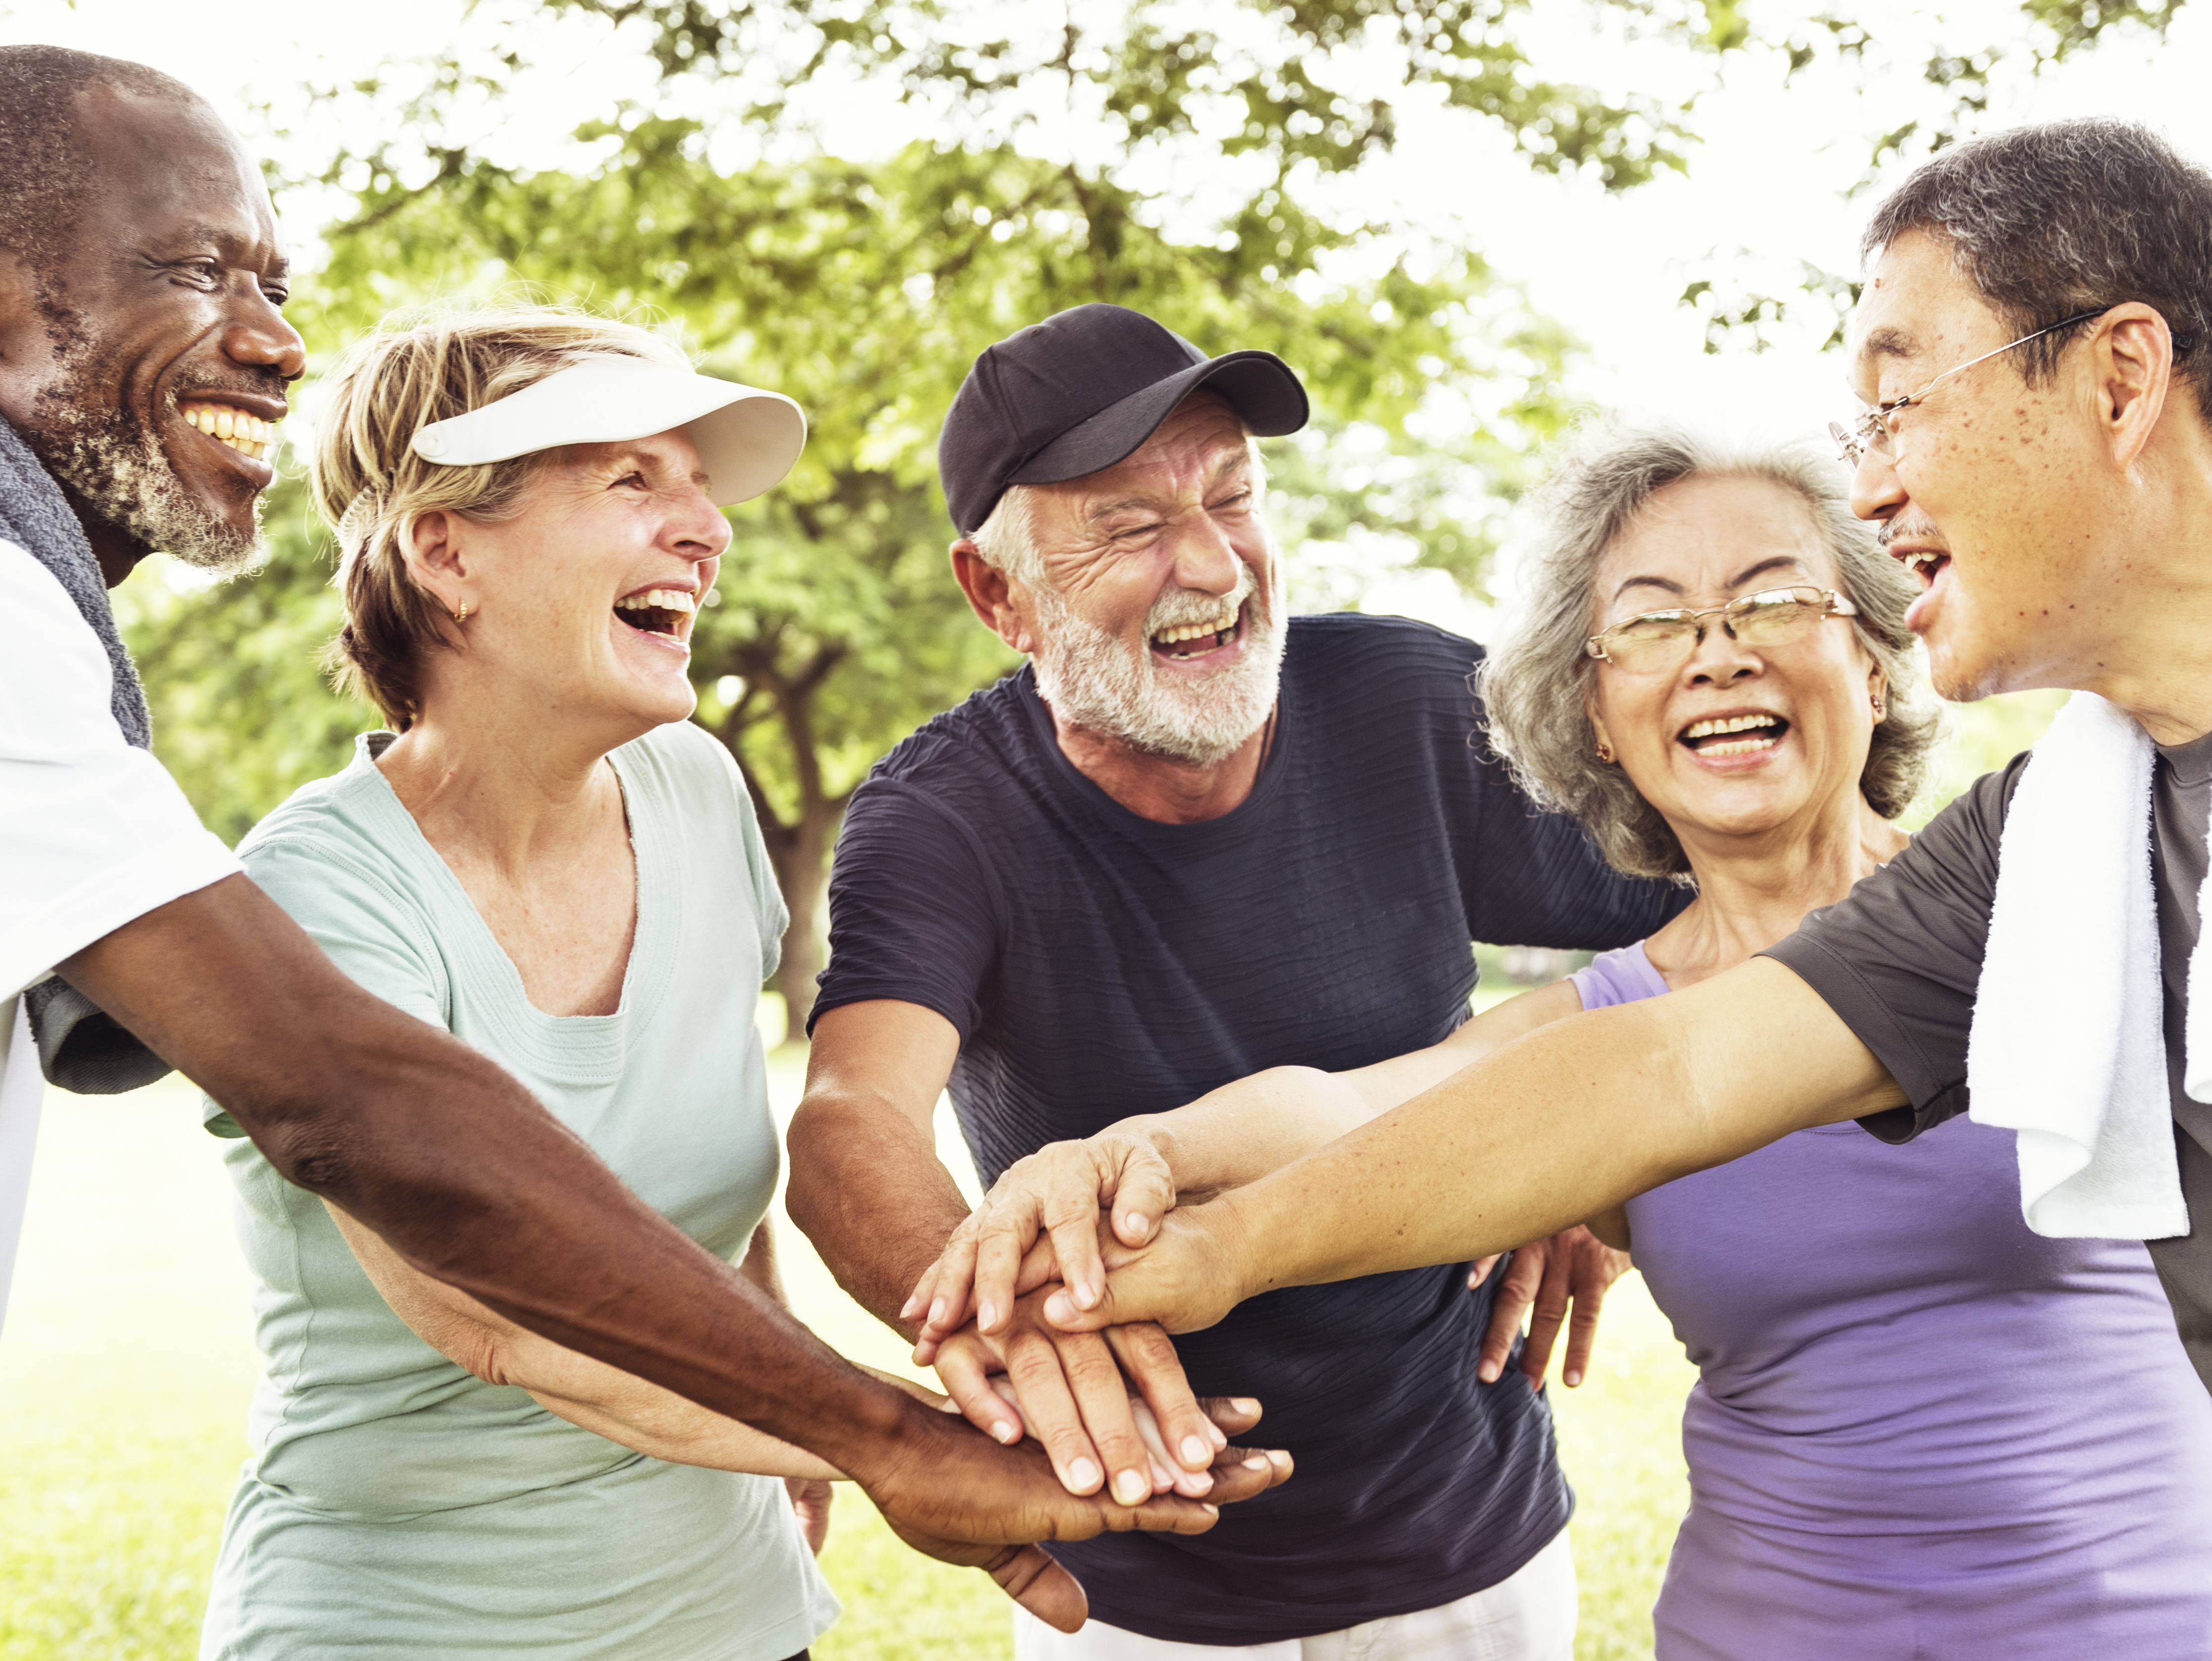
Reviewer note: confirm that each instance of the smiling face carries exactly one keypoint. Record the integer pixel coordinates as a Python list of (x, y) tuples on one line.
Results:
[(1992, 494), (580, 606), (1738, 741), (1155, 621), (145, 361)]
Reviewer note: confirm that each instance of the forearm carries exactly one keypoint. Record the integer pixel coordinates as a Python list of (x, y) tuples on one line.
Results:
[(868, 1190), (1552, 1128), (454, 1164), (1244, 1130), (1253, 1126)]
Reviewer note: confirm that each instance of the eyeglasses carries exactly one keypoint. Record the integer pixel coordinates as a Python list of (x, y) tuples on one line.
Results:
[(1873, 433), (1661, 642)]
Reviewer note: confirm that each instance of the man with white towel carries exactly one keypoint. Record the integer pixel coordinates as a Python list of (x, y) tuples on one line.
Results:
[(2038, 448)]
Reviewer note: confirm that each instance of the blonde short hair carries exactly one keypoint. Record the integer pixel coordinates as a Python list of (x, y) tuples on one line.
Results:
[(371, 487)]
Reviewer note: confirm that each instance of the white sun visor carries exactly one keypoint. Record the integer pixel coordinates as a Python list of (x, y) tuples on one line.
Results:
[(748, 438)]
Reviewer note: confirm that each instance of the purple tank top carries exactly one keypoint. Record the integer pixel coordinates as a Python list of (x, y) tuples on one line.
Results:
[(1919, 1429)]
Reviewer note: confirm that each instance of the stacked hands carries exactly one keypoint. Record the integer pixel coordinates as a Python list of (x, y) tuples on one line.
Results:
[(1049, 1311)]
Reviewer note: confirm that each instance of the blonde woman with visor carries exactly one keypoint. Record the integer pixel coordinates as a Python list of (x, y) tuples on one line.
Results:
[(1918, 1429), (546, 857)]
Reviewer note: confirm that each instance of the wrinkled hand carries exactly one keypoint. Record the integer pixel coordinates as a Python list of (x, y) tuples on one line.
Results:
[(810, 1503), (956, 1496), (1068, 1390), (1188, 1278), (1573, 1269), (1043, 1219)]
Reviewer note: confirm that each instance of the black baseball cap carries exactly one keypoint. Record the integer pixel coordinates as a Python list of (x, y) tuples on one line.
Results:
[(1080, 391)]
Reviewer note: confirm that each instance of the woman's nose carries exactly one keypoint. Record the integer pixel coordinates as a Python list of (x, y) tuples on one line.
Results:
[(1720, 657), (698, 531)]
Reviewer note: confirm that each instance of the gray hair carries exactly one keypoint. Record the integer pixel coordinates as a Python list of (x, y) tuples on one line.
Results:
[(1007, 539), (2064, 217), (1535, 683)]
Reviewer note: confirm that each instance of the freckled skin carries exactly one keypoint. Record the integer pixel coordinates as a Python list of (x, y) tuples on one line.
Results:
[(2077, 513)]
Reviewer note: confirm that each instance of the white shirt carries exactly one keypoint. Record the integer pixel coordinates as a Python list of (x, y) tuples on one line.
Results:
[(92, 833)]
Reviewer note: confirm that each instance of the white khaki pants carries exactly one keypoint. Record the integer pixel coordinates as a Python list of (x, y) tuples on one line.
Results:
[(1528, 1617)]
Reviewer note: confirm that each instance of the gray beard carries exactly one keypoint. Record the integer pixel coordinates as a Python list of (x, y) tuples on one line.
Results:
[(1093, 681), (115, 465)]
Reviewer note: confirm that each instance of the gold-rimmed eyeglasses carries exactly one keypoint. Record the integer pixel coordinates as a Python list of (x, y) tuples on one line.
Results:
[(1661, 642), (1874, 434)]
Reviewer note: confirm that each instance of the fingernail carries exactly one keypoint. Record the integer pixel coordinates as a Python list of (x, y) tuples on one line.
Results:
[(1196, 1453), (936, 1311), (1573, 1380), (1059, 1308), (1211, 1510), (1086, 1294), (1488, 1372), (1244, 1405), (1255, 1462), (987, 1316), (1215, 1434), (1003, 1431), (1134, 1228), (1082, 1476), (911, 1308), (1131, 1488)]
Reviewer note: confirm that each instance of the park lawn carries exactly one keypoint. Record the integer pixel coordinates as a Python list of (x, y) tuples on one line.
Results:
[(127, 1358)]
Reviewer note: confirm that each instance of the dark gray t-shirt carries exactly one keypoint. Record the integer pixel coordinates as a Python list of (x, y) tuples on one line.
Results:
[(1899, 961)]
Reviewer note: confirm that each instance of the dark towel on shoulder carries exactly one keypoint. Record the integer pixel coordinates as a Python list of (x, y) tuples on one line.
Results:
[(80, 1047)]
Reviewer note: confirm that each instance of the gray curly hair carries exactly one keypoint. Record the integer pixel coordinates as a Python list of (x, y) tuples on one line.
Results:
[(1534, 684)]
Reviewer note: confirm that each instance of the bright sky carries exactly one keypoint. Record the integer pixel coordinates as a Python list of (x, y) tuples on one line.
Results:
[(1765, 191)]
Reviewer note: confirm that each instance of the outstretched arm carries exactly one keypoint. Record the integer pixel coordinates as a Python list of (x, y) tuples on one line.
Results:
[(1138, 1169), (600, 1399), (469, 1181), (1559, 1126)]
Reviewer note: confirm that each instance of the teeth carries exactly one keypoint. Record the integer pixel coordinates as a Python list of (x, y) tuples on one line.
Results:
[(1182, 631), (1738, 747), (246, 433), (657, 599), (1732, 723), (1922, 560)]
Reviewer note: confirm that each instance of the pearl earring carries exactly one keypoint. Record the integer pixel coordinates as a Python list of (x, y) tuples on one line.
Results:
[(1604, 751)]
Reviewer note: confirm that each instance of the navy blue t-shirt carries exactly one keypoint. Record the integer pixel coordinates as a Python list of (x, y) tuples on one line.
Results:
[(1098, 964)]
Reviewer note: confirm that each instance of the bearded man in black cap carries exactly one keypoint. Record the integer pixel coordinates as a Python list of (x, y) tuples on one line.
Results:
[(1192, 839)]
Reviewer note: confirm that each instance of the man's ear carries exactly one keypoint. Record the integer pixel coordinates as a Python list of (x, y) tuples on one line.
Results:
[(25, 342), (2132, 356), (993, 596)]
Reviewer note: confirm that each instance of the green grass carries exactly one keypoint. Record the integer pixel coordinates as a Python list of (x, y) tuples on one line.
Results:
[(126, 1360)]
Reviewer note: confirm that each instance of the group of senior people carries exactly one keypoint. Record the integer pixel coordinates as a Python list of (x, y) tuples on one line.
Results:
[(1179, 917)]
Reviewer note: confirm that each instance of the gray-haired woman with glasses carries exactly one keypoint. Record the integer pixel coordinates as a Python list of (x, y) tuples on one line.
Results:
[(1918, 1429)]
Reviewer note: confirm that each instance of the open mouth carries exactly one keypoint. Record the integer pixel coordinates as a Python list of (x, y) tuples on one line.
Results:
[(661, 611), (1734, 734), (1925, 563), (1192, 640), (227, 425)]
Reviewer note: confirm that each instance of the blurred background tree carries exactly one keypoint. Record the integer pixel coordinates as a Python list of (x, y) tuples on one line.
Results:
[(1199, 163)]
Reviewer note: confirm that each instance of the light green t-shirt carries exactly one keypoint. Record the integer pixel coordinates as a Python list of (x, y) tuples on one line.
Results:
[(397, 1505)]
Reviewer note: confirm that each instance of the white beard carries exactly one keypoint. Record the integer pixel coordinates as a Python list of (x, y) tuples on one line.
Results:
[(1092, 681)]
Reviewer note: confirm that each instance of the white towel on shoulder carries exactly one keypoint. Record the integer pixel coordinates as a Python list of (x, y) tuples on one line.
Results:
[(2068, 1046)]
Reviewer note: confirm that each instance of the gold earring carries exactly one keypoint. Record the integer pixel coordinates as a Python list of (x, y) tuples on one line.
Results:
[(1604, 751), (462, 615)]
